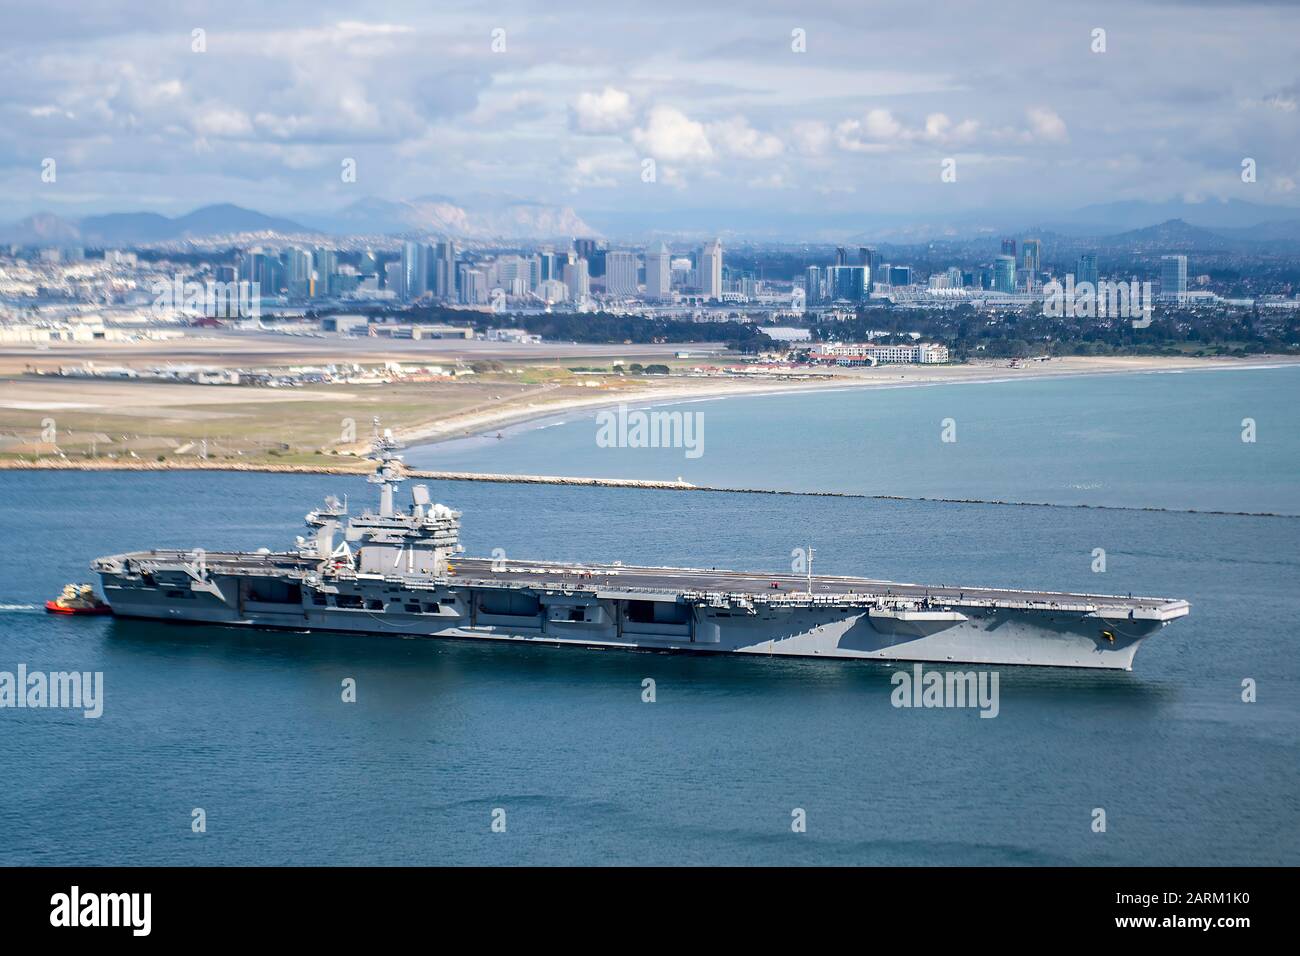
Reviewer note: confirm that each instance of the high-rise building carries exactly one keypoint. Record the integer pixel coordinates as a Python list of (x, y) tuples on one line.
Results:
[(1173, 278), (257, 266), (1009, 248), (589, 249), (546, 258), (415, 270), (297, 272), (658, 272), (812, 285), (900, 275), (552, 291), (621, 273), (577, 280), (444, 271), (1004, 274), (1031, 252), (393, 278), (868, 256), (1086, 270), (513, 273), (325, 265), (847, 283), (472, 285), (710, 270)]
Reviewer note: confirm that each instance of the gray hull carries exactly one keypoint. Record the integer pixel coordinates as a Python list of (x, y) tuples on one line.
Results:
[(646, 609), (398, 573)]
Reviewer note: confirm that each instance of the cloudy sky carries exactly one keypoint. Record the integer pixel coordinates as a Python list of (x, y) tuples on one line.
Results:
[(737, 122)]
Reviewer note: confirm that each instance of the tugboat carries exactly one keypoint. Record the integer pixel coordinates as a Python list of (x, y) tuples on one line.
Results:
[(78, 599)]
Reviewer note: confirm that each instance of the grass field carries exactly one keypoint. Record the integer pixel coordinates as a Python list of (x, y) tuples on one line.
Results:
[(42, 416)]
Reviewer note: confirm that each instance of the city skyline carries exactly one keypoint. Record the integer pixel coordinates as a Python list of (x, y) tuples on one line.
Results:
[(757, 116)]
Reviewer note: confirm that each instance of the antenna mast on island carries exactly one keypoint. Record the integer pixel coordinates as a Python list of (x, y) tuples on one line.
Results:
[(388, 471)]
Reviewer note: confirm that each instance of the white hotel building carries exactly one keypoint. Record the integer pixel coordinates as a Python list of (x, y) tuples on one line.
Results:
[(920, 353)]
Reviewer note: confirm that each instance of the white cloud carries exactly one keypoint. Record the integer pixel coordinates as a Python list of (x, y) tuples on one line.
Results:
[(849, 137), (1047, 126), (736, 137), (603, 170), (810, 137), (881, 125), (608, 111), (221, 121), (669, 134), (880, 131)]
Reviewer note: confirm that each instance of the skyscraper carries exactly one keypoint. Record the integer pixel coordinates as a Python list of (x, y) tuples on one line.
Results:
[(658, 272), (267, 271), (1004, 274), (1009, 248), (900, 275), (1173, 278), (415, 270), (621, 273), (1031, 257), (444, 271), (297, 272), (327, 266), (812, 285), (577, 280), (589, 249), (847, 283), (472, 285), (513, 273), (869, 257), (1086, 270), (393, 278), (710, 269)]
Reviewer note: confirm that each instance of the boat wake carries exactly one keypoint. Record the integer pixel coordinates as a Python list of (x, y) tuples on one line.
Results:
[(20, 607)]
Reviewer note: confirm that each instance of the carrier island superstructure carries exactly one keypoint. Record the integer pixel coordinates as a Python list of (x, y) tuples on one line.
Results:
[(401, 573)]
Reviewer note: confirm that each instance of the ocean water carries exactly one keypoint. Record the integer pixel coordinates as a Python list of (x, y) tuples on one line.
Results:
[(250, 726), (1169, 440)]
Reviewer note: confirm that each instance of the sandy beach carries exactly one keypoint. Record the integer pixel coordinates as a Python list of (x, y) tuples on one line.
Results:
[(886, 376), (168, 424)]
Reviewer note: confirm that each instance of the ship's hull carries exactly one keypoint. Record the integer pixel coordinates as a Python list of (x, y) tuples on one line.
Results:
[(580, 615)]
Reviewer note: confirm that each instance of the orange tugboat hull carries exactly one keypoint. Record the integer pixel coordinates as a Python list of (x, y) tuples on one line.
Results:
[(54, 607)]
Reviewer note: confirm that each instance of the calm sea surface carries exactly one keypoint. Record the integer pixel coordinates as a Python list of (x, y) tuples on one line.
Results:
[(250, 727), (1170, 439)]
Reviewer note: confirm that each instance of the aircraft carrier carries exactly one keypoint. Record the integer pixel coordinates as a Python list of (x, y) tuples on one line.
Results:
[(400, 573)]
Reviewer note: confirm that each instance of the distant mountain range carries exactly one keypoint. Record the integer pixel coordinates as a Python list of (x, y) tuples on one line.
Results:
[(1228, 226), (476, 217), (1115, 217), (132, 228), (423, 216)]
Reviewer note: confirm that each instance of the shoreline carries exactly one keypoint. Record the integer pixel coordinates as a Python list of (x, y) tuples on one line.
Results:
[(481, 424), (61, 464)]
